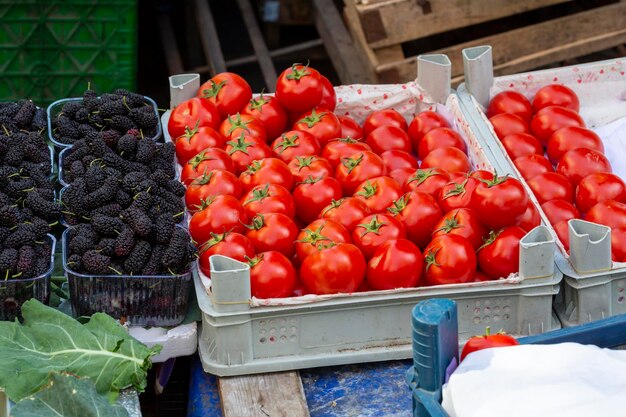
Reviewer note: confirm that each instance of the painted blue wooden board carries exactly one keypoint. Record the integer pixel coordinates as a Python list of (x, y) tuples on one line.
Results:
[(204, 397), (364, 390)]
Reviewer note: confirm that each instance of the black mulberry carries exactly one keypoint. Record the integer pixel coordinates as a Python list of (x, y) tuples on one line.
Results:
[(138, 257), (96, 263)]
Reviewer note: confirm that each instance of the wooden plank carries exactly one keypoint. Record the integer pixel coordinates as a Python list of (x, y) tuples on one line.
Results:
[(208, 37), (538, 45), (276, 395), (397, 21), (353, 24), (349, 64), (172, 54), (260, 49)]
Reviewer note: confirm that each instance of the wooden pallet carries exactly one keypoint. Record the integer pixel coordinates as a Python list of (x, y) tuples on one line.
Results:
[(384, 29)]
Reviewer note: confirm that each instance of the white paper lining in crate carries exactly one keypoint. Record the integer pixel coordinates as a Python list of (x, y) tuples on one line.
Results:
[(358, 101), (601, 89)]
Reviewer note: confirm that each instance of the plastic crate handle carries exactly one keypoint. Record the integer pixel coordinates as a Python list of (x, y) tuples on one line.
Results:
[(435, 352)]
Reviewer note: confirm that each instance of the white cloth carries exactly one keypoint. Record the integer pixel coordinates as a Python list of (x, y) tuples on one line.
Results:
[(613, 137), (562, 380)]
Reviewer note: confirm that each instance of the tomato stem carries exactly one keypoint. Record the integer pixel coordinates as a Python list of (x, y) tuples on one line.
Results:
[(240, 145)]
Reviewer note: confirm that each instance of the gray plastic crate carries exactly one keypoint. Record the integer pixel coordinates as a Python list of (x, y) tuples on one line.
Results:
[(238, 339), (593, 286)]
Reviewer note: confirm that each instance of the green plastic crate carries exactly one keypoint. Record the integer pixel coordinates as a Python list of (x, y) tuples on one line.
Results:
[(51, 49)]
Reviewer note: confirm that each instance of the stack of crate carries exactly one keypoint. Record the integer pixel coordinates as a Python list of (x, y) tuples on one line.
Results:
[(524, 34)]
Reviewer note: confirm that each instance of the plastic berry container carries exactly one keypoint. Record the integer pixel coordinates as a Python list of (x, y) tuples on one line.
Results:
[(144, 300), (15, 292), (55, 108)]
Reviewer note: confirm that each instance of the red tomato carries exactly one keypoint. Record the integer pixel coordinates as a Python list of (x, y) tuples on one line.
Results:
[(396, 159), (532, 165), (429, 180), (271, 275), (266, 171), (397, 263), (449, 159), (609, 213), (498, 257), (521, 144), (401, 175), (228, 91), (551, 186), (218, 214), (481, 174), (320, 232), (348, 211), (572, 137), (357, 168), (386, 117), (195, 140), (559, 210), (295, 143), (423, 123), (241, 124), (191, 113), (340, 148), (299, 88), (268, 198), (578, 163), (374, 230), (618, 245), (449, 259), (552, 118), (463, 222), (233, 245), (598, 187), (441, 137), (510, 102), (386, 138), (378, 193), (556, 95), (531, 217), (481, 277), (246, 149), (562, 232), (499, 202), (302, 167), (273, 231), (457, 194), (205, 161), (336, 268), (329, 97), (419, 213), (215, 182), (313, 194), (321, 123), (350, 128), (268, 111), (505, 124), (486, 342)]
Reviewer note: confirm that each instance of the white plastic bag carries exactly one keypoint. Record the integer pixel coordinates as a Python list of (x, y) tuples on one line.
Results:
[(568, 380)]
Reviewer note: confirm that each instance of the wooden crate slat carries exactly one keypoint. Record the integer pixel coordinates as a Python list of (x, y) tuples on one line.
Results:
[(398, 21), (276, 394), (537, 45), (351, 66)]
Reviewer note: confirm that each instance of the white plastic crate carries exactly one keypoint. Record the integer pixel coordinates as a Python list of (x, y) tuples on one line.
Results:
[(593, 284), (242, 335)]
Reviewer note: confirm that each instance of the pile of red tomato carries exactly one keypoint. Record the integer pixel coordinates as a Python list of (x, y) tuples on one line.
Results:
[(562, 161), (316, 203)]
